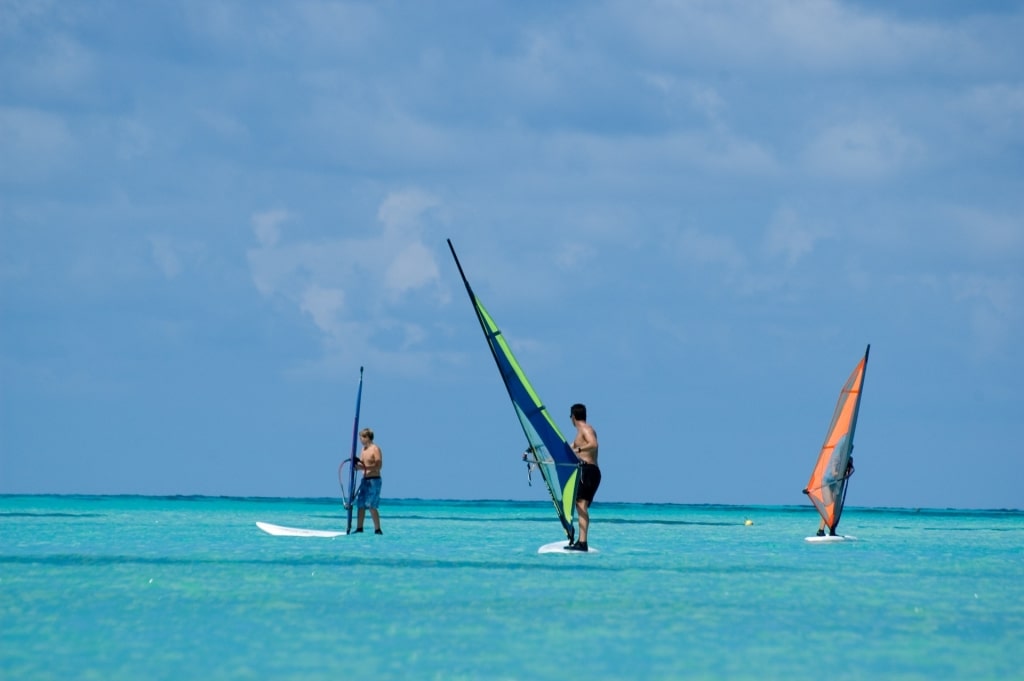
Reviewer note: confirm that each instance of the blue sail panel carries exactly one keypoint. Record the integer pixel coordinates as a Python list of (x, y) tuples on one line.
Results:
[(549, 449)]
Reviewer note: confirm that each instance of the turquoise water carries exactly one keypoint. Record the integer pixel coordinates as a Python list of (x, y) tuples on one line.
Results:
[(189, 588)]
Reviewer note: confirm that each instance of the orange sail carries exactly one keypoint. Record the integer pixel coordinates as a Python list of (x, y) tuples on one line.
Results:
[(832, 470)]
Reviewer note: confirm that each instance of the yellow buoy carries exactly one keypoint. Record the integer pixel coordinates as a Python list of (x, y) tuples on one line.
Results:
[(748, 522)]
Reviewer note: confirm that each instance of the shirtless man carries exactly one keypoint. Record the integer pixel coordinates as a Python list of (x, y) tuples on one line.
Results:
[(833, 486), (585, 447), (368, 496)]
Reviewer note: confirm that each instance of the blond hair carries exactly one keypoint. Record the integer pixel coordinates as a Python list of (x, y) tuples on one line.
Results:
[(368, 433)]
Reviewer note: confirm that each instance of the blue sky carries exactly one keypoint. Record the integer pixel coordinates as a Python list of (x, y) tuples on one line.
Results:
[(691, 216)]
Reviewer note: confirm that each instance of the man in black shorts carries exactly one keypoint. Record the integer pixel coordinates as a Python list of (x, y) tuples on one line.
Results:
[(585, 447)]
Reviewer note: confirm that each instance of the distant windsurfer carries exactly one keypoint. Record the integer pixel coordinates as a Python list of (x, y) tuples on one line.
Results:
[(834, 488), (584, 445), (368, 496)]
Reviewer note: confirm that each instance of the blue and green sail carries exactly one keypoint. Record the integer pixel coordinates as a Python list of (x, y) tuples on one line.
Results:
[(547, 449)]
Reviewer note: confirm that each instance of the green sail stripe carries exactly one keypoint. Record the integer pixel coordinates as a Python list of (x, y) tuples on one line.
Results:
[(569, 495)]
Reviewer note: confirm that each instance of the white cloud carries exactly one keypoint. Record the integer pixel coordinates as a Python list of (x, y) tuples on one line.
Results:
[(352, 288), (165, 256), (572, 253), (267, 226), (1001, 295), (401, 211), (324, 305), (33, 143), (224, 125), (809, 34), (717, 151), (826, 34), (710, 249), (534, 72), (43, 56), (726, 152), (688, 94), (303, 28), (412, 267), (989, 235), (860, 150), (994, 308), (997, 109), (173, 255), (789, 237), (132, 138)]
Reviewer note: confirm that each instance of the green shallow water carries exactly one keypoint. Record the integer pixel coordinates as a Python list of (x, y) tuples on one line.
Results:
[(189, 588)]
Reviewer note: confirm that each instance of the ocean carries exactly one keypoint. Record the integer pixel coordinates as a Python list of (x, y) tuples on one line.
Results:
[(125, 587)]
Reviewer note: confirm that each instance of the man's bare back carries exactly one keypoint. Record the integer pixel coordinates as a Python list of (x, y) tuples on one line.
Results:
[(585, 442)]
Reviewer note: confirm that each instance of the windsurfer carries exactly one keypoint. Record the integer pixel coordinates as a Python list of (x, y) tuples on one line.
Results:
[(585, 447), (368, 496), (833, 484)]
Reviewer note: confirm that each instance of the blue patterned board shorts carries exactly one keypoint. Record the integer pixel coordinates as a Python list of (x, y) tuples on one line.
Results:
[(368, 495)]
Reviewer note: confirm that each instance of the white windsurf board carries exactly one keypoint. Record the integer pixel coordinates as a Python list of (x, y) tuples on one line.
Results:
[(282, 531), (559, 547), (830, 538)]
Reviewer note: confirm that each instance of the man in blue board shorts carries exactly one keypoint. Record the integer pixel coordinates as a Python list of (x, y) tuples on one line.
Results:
[(368, 496), (585, 447)]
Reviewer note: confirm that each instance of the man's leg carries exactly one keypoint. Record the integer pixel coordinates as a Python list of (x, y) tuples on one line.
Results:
[(583, 510)]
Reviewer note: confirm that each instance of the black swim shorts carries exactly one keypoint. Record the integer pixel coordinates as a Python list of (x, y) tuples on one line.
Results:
[(590, 480)]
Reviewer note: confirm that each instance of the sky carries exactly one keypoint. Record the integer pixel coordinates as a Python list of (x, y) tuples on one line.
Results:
[(691, 216)]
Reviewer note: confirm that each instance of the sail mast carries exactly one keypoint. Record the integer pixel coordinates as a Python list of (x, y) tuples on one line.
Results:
[(479, 317), (860, 391), (853, 427), (350, 501)]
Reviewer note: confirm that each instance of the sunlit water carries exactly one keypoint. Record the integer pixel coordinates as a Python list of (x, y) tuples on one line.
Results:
[(189, 588)]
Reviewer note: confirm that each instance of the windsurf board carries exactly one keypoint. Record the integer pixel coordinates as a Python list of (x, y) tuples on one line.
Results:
[(282, 531), (559, 547), (830, 538)]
